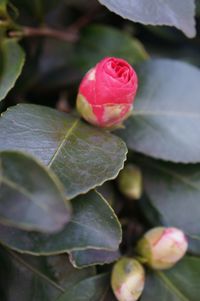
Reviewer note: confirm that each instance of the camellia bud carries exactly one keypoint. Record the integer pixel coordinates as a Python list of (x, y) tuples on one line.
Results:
[(107, 92), (162, 247), (128, 279), (130, 182)]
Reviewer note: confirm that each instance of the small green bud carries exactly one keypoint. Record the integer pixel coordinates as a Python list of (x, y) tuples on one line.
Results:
[(161, 247), (128, 279), (130, 182)]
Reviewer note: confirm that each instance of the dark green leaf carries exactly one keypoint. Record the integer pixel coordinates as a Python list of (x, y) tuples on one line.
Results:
[(64, 273), (174, 195), (180, 283), (197, 7), (82, 156), (31, 196), (109, 296), (107, 190), (90, 257), (166, 112), (174, 192), (93, 225), (28, 278), (12, 57), (194, 245), (150, 213), (173, 13), (155, 219), (91, 289), (99, 41)]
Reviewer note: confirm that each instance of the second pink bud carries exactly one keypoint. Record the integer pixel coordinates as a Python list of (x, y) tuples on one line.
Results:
[(162, 248)]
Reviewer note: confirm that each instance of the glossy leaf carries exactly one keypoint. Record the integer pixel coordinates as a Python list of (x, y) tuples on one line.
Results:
[(82, 156), (32, 199), (194, 245), (108, 192), (33, 278), (93, 225), (154, 219), (64, 273), (91, 289), (12, 57), (174, 192), (166, 112), (180, 283), (90, 257), (173, 13), (98, 41)]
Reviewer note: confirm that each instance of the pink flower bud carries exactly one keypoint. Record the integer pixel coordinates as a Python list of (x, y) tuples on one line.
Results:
[(128, 279), (162, 247), (107, 92)]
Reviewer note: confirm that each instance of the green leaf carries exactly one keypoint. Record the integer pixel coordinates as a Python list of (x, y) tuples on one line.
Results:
[(109, 296), (194, 245), (3, 6), (180, 283), (82, 156), (174, 193), (107, 190), (12, 57), (91, 289), (93, 226), (165, 12), (197, 8), (89, 257), (166, 112), (64, 273), (29, 278), (99, 41), (31, 196), (64, 63)]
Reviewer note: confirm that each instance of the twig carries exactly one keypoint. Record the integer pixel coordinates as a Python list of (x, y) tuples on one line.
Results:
[(68, 36), (80, 23), (71, 34)]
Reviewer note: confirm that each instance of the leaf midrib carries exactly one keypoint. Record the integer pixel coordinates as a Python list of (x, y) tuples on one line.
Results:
[(60, 146), (36, 271), (175, 175), (170, 286), (22, 191)]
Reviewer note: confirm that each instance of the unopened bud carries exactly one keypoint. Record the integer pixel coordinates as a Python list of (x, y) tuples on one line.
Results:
[(162, 247), (107, 92), (128, 279), (130, 181)]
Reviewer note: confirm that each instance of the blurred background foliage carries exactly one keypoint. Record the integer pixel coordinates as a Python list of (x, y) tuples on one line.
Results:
[(62, 40), (54, 67)]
